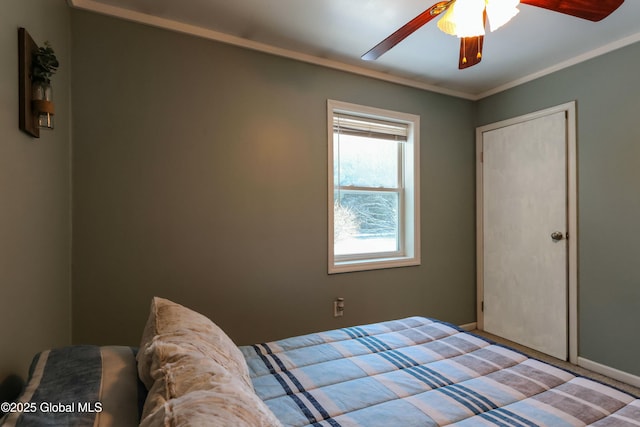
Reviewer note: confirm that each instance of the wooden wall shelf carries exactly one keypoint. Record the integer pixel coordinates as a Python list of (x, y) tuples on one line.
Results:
[(28, 120)]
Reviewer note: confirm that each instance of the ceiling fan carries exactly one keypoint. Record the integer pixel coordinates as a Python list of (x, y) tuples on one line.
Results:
[(467, 18)]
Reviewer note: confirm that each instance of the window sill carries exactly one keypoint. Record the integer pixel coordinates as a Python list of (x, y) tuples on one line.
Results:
[(377, 264)]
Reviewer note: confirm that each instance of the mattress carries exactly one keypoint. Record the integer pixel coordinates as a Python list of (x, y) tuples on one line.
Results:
[(423, 372)]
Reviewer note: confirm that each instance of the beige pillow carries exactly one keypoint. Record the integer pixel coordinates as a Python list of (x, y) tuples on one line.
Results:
[(177, 371), (195, 374), (118, 389), (228, 404), (187, 331)]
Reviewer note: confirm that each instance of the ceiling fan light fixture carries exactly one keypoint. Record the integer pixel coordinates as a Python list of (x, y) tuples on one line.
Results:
[(464, 18), (499, 12)]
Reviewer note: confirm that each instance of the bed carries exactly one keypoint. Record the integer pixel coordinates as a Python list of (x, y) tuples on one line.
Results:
[(408, 372)]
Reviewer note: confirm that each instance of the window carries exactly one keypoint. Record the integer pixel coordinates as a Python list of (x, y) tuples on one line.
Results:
[(374, 196)]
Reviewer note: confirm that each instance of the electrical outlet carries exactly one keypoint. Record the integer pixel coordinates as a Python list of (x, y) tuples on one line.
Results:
[(338, 307)]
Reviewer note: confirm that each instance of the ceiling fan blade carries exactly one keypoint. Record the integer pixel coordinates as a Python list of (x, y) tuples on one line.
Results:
[(406, 30), (470, 51), (593, 10)]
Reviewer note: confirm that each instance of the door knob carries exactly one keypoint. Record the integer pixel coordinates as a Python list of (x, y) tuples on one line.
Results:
[(556, 236)]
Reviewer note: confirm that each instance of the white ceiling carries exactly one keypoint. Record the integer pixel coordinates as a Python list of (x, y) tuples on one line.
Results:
[(336, 33)]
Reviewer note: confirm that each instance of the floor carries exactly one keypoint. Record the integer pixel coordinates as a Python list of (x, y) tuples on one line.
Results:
[(561, 363)]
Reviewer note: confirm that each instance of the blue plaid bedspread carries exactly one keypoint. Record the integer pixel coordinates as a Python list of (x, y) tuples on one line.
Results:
[(423, 372)]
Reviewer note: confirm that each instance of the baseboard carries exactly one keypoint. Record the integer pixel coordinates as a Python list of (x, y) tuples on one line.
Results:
[(469, 326), (616, 374)]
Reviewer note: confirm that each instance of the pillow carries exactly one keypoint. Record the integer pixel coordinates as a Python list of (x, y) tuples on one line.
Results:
[(195, 374), (229, 404), (100, 382), (174, 323), (121, 393), (177, 370)]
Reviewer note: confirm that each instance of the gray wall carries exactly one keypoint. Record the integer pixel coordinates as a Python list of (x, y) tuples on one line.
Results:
[(35, 197), (200, 174), (608, 105)]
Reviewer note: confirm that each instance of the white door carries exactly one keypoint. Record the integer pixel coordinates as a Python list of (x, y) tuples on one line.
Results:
[(524, 229)]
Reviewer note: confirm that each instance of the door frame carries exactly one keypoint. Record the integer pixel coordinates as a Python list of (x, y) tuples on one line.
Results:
[(572, 216)]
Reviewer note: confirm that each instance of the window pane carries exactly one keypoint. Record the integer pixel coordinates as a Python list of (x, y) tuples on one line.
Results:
[(365, 162), (365, 222)]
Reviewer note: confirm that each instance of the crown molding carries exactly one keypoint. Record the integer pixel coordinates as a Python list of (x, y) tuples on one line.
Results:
[(143, 18), (168, 24), (610, 47)]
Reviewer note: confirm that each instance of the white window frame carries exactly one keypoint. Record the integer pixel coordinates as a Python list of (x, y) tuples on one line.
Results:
[(409, 221)]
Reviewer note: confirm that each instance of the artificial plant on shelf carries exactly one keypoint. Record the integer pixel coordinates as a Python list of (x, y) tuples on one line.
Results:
[(44, 64)]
